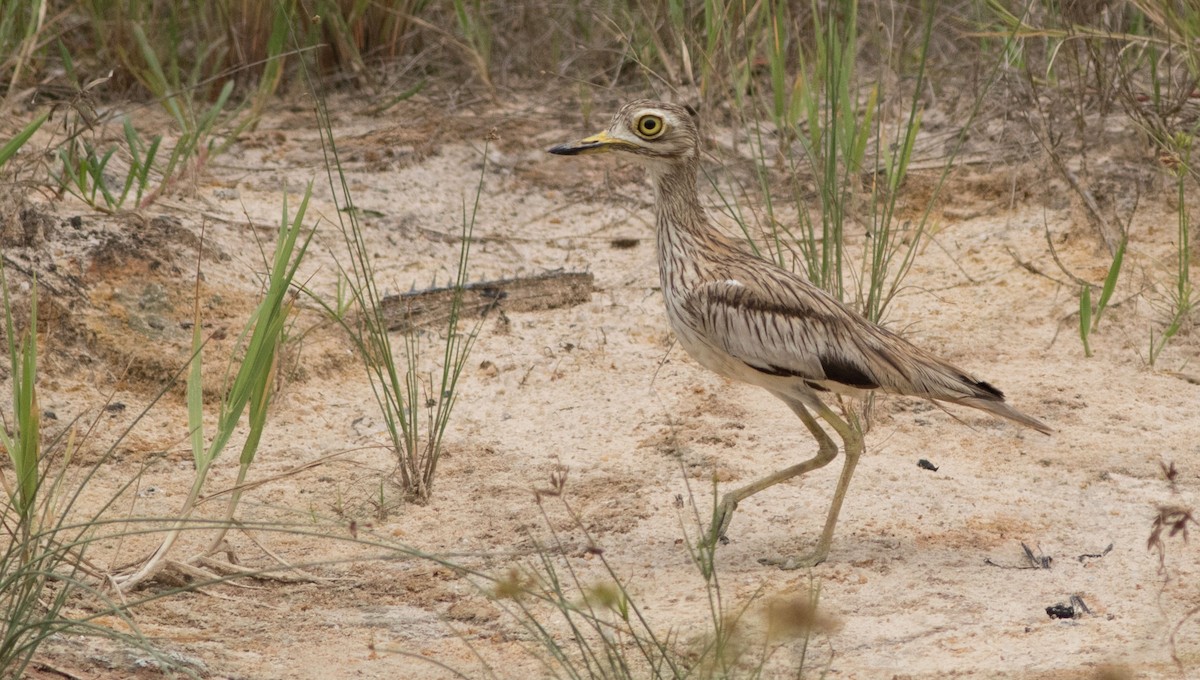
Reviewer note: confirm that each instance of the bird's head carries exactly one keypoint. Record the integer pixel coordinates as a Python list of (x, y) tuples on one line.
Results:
[(655, 132)]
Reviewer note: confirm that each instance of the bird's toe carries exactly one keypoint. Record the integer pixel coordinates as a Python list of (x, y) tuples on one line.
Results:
[(790, 562)]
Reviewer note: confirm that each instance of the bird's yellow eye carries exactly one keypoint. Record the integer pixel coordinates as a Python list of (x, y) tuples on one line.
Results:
[(650, 126)]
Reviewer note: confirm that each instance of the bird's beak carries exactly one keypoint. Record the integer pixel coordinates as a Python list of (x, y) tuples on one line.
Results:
[(594, 144)]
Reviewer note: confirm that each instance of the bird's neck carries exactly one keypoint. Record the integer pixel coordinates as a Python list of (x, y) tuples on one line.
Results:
[(686, 239), (682, 223), (676, 203)]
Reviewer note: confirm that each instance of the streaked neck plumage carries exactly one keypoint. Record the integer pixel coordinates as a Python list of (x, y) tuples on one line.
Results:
[(684, 235)]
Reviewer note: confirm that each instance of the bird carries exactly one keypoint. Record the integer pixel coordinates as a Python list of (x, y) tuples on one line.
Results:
[(751, 321)]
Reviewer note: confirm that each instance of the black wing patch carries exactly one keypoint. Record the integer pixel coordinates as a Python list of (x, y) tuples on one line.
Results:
[(786, 373), (986, 388), (842, 371), (836, 370), (775, 371)]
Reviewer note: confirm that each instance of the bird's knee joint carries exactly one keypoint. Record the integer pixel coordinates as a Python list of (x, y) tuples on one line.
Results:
[(828, 451)]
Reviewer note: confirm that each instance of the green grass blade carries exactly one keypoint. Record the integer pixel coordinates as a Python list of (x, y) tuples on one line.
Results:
[(1085, 317), (14, 145), (1110, 281), (23, 444), (195, 391), (158, 84)]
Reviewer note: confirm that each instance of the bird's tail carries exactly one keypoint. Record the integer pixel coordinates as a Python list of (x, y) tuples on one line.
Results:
[(998, 407)]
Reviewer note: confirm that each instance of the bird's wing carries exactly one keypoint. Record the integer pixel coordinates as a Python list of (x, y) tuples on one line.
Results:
[(796, 329), (787, 327)]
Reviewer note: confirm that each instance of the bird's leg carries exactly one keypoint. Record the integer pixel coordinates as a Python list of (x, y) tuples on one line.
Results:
[(827, 451), (853, 444)]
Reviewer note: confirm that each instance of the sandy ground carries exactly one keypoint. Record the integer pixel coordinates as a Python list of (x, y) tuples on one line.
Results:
[(922, 579)]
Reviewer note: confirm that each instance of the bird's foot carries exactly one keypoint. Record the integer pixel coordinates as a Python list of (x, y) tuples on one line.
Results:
[(722, 516), (790, 562), (712, 539)]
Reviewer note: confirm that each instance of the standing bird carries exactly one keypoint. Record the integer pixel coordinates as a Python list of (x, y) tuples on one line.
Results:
[(752, 321)]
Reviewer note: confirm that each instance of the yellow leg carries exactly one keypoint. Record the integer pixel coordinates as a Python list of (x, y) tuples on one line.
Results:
[(826, 452), (853, 444)]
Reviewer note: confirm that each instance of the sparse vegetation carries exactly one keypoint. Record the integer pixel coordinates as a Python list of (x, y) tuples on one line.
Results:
[(610, 635), (1181, 305), (44, 564), (1142, 63), (251, 391), (415, 405), (835, 128)]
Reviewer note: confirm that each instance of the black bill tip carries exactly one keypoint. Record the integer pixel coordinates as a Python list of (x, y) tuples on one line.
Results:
[(573, 148)]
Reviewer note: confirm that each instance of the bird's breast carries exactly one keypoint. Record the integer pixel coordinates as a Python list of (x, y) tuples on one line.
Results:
[(694, 341)]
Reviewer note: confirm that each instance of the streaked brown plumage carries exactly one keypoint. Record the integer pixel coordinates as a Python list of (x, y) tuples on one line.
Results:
[(752, 321)]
